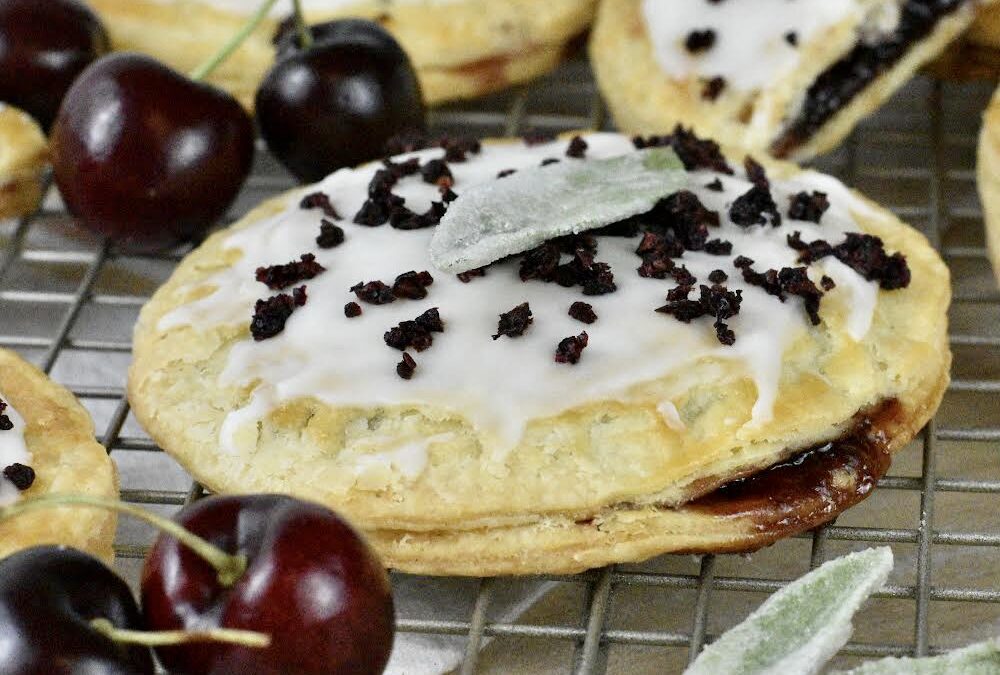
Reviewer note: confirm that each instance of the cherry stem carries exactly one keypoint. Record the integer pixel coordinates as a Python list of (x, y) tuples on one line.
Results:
[(229, 567), (305, 36), (166, 638), (206, 68)]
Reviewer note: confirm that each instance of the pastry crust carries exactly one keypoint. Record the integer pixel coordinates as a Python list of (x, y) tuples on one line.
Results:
[(977, 54), (60, 436), (988, 179), (23, 154), (643, 99), (460, 49), (608, 462)]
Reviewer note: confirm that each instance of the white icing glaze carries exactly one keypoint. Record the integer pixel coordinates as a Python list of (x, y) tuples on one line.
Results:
[(750, 49), (12, 449), (668, 411), (284, 7), (501, 385), (408, 459)]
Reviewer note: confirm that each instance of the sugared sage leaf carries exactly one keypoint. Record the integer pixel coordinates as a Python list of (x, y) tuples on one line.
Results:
[(799, 628), (514, 214)]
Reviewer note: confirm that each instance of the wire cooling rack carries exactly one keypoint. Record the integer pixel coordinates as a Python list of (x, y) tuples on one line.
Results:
[(68, 301)]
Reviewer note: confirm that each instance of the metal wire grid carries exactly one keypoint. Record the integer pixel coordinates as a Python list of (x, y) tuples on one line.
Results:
[(103, 282)]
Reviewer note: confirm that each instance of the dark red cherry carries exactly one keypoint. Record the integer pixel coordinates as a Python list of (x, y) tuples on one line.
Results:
[(336, 103), (44, 46), (311, 583), (147, 156), (344, 31), (48, 597)]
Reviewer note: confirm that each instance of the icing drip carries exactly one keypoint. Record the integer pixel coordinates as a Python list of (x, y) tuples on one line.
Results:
[(501, 385), (751, 47), (12, 450)]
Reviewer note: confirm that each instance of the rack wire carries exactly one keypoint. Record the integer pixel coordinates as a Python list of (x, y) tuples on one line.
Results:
[(68, 302)]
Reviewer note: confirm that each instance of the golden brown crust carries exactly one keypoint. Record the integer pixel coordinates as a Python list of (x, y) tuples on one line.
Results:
[(66, 458), (23, 153), (988, 178), (643, 99), (826, 378), (627, 534), (976, 55), (460, 50)]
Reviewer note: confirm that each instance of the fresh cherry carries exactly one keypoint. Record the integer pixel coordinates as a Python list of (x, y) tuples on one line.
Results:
[(337, 102), (287, 40), (49, 597), (310, 583), (44, 46), (147, 156)]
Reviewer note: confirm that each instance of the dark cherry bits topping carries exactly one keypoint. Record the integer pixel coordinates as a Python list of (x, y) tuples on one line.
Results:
[(515, 322), (784, 282), (412, 285), (406, 367), (278, 277), (21, 475), (549, 160), (542, 263), (755, 207), (700, 40), (808, 207), (695, 153), (271, 314), (321, 201), (718, 247), (506, 172), (466, 277), (437, 173), (583, 312), (718, 277), (713, 88), (716, 301), (330, 235), (373, 292), (352, 310), (577, 148), (5, 422), (864, 253), (569, 350), (416, 333)]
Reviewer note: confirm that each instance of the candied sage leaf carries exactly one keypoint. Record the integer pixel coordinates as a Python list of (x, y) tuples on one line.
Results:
[(982, 658), (501, 218), (799, 628)]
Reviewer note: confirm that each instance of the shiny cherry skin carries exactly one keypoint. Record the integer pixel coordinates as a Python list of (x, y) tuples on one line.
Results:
[(336, 103), (311, 583), (44, 46), (147, 156), (343, 31), (48, 597)]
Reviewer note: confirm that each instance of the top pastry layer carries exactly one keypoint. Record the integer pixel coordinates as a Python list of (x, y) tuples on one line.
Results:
[(789, 77), (496, 430)]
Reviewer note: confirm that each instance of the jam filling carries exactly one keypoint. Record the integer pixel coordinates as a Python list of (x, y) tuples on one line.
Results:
[(814, 486), (845, 79)]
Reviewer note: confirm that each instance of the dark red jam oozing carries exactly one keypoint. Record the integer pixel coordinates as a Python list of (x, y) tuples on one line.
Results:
[(814, 486), (845, 79)]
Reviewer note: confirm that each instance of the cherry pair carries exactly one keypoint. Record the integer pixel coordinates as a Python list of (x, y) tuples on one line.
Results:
[(291, 586), (151, 157)]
